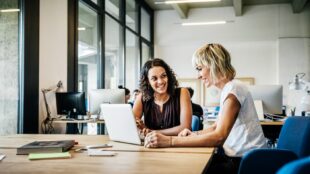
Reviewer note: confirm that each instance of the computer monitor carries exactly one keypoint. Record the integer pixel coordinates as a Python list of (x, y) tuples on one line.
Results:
[(270, 95), (104, 96), (71, 104)]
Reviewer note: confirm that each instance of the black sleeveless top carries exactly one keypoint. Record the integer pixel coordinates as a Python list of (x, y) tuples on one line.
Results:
[(168, 118)]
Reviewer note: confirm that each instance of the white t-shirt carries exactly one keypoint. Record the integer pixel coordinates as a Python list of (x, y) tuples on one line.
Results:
[(247, 133)]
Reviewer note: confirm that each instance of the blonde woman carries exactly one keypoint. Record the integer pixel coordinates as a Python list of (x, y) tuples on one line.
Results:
[(237, 129)]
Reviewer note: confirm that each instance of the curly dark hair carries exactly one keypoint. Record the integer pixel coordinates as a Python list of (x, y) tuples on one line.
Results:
[(145, 87)]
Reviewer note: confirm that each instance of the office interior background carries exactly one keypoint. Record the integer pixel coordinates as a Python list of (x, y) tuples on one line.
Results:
[(88, 44)]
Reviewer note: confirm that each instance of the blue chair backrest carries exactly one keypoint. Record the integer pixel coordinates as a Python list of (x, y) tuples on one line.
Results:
[(295, 136), (255, 161), (301, 166)]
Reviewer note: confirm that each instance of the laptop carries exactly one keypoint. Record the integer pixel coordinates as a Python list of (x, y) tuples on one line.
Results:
[(120, 123)]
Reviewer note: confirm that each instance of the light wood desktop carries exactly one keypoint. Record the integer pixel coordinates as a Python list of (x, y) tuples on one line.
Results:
[(78, 121), (129, 158), (209, 122), (81, 123)]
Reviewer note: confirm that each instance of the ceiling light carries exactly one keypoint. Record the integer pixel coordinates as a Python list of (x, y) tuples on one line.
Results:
[(81, 28), (9, 10), (184, 1), (203, 23)]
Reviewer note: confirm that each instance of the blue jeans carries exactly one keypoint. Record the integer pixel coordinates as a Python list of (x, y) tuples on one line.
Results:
[(195, 123)]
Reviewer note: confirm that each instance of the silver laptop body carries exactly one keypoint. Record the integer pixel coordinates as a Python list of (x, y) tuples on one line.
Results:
[(120, 123)]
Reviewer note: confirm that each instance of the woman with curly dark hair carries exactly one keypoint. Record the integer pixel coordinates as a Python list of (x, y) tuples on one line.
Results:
[(165, 107)]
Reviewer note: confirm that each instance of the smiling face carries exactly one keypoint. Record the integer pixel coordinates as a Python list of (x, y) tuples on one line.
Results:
[(204, 75), (158, 79), (214, 65)]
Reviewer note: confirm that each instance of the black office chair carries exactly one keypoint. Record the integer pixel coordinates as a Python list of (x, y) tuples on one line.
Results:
[(293, 143)]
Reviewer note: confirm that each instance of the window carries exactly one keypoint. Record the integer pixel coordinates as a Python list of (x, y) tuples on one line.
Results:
[(88, 49), (9, 67), (131, 15), (132, 61), (146, 53), (109, 43), (145, 24), (114, 59), (112, 7)]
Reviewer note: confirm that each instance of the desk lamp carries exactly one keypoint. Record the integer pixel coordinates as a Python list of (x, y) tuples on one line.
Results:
[(301, 84), (46, 126)]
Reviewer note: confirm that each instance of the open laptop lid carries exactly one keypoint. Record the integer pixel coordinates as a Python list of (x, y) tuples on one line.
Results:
[(120, 123)]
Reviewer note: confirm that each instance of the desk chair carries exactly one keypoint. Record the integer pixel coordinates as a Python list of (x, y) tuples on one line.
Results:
[(195, 123), (301, 166), (293, 143)]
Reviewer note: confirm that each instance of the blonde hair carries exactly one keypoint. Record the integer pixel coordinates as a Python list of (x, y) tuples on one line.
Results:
[(217, 59)]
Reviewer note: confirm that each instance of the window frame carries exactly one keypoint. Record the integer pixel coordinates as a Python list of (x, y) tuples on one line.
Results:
[(72, 74)]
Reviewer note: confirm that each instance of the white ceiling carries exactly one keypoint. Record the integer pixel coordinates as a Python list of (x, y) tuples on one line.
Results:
[(182, 9)]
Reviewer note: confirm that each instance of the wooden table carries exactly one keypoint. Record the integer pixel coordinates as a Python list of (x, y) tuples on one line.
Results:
[(272, 131), (74, 124), (129, 158)]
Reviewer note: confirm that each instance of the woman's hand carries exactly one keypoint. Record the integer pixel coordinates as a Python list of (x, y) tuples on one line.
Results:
[(143, 132), (155, 139), (186, 132), (140, 124)]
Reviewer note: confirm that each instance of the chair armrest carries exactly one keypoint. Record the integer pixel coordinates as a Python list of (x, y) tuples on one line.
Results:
[(266, 161)]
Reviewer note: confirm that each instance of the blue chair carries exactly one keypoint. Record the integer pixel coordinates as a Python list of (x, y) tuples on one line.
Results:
[(293, 143), (195, 123), (301, 166), (295, 136)]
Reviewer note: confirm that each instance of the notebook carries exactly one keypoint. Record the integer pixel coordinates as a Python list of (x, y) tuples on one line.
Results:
[(120, 123), (37, 156), (46, 147)]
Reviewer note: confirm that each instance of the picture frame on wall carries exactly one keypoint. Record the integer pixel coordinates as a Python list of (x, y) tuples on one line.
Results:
[(195, 84), (247, 80)]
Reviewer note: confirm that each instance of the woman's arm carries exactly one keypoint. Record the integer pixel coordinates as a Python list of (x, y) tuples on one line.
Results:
[(221, 131), (213, 138), (137, 111), (185, 115)]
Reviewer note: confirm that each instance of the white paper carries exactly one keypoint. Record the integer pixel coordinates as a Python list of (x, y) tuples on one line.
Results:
[(96, 152), (2, 157), (259, 109)]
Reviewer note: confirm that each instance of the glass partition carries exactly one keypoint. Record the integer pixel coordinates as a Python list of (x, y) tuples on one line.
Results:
[(114, 59), (132, 61), (146, 53), (9, 66), (131, 15), (88, 49), (112, 7), (145, 24)]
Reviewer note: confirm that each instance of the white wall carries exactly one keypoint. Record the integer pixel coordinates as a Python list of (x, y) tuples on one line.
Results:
[(252, 39), (53, 51)]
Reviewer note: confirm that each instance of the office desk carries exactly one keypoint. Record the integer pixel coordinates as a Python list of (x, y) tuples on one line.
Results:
[(272, 131), (129, 158), (15, 141), (80, 123), (271, 123), (123, 162)]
